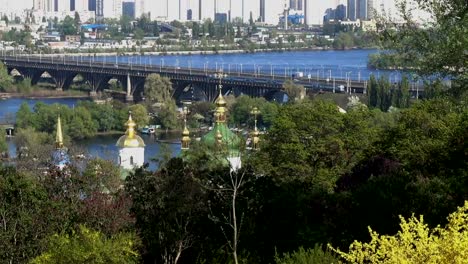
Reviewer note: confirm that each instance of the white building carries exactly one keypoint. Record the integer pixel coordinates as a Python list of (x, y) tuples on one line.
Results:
[(131, 147)]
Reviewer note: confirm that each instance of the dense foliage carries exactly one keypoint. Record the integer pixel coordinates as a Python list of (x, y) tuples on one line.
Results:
[(416, 243), (88, 246)]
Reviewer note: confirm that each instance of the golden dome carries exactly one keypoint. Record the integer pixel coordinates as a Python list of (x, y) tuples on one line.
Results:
[(186, 132), (220, 101), (130, 139)]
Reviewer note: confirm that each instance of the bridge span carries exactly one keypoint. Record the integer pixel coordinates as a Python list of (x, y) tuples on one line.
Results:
[(97, 74)]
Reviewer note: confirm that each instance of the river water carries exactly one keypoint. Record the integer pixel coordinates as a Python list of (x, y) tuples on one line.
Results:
[(322, 63)]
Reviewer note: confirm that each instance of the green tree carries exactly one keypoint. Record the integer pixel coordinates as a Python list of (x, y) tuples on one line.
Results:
[(291, 38), (139, 114), (67, 26), (294, 91), (139, 34), (240, 110), (24, 116), (168, 206), (88, 246), (167, 115), (302, 256), (372, 91), (21, 213), (77, 20), (312, 142), (436, 48), (158, 89), (5, 79), (81, 124), (3, 145)]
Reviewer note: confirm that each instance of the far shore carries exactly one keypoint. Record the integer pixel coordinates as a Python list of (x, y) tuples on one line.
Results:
[(200, 52), (42, 96)]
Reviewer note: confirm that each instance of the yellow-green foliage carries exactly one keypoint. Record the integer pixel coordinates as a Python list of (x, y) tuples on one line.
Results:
[(90, 247), (416, 243)]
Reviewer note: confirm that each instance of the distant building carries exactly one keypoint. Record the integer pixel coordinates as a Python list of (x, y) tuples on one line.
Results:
[(72, 38), (221, 18), (128, 9), (189, 14)]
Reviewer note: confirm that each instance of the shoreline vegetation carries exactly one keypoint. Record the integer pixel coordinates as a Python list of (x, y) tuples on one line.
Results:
[(200, 52)]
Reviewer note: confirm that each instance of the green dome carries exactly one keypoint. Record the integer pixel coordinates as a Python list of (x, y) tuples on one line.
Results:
[(229, 140)]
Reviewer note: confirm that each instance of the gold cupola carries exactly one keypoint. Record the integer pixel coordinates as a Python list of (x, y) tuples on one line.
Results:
[(255, 134), (130, 139), (221, 106), (185, 133), (59, 135)]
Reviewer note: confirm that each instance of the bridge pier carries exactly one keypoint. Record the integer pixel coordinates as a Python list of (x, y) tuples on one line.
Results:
[(129, 96), (63, 79)]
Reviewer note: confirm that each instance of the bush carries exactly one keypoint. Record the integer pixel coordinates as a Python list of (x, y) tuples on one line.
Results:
[(310, 256)]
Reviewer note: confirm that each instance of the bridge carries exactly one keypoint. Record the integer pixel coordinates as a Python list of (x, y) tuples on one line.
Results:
[(98, 73)]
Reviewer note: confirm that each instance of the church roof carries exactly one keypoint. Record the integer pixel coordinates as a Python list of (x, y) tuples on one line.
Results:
[(221, 136), (130, 139)]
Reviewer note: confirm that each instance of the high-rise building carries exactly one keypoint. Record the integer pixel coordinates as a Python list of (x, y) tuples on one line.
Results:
[(128, 9), (92, 5), (99, 9), (262, 10), (352, 12)]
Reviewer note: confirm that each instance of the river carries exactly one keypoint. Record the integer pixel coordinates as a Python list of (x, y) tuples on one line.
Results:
[(324, 63)]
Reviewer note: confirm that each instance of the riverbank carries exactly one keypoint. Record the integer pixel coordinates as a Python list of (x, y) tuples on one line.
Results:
[(51, 95), (199, 52)]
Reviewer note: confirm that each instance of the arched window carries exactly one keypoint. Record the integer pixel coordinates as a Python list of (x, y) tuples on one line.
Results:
[(131, 160)]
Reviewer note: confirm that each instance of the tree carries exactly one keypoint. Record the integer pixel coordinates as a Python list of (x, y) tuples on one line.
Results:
[(24, 116), (77, 20), (139, 34), (3, 145), (291, 38), (302, 256), (294, 91), (139, 114), (372, 91), (415, 243), (168, 206), (167, 115), (158, 89), (67, 26), (88, 246), (21, 205), (240, 110), (313, 142), (5, 79), (435, 48), (81, 124)]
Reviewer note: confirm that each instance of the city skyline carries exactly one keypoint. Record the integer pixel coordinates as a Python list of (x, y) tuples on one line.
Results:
[(267, 11)]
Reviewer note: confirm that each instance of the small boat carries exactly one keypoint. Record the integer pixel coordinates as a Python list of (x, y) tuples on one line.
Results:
[(148, 130)]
